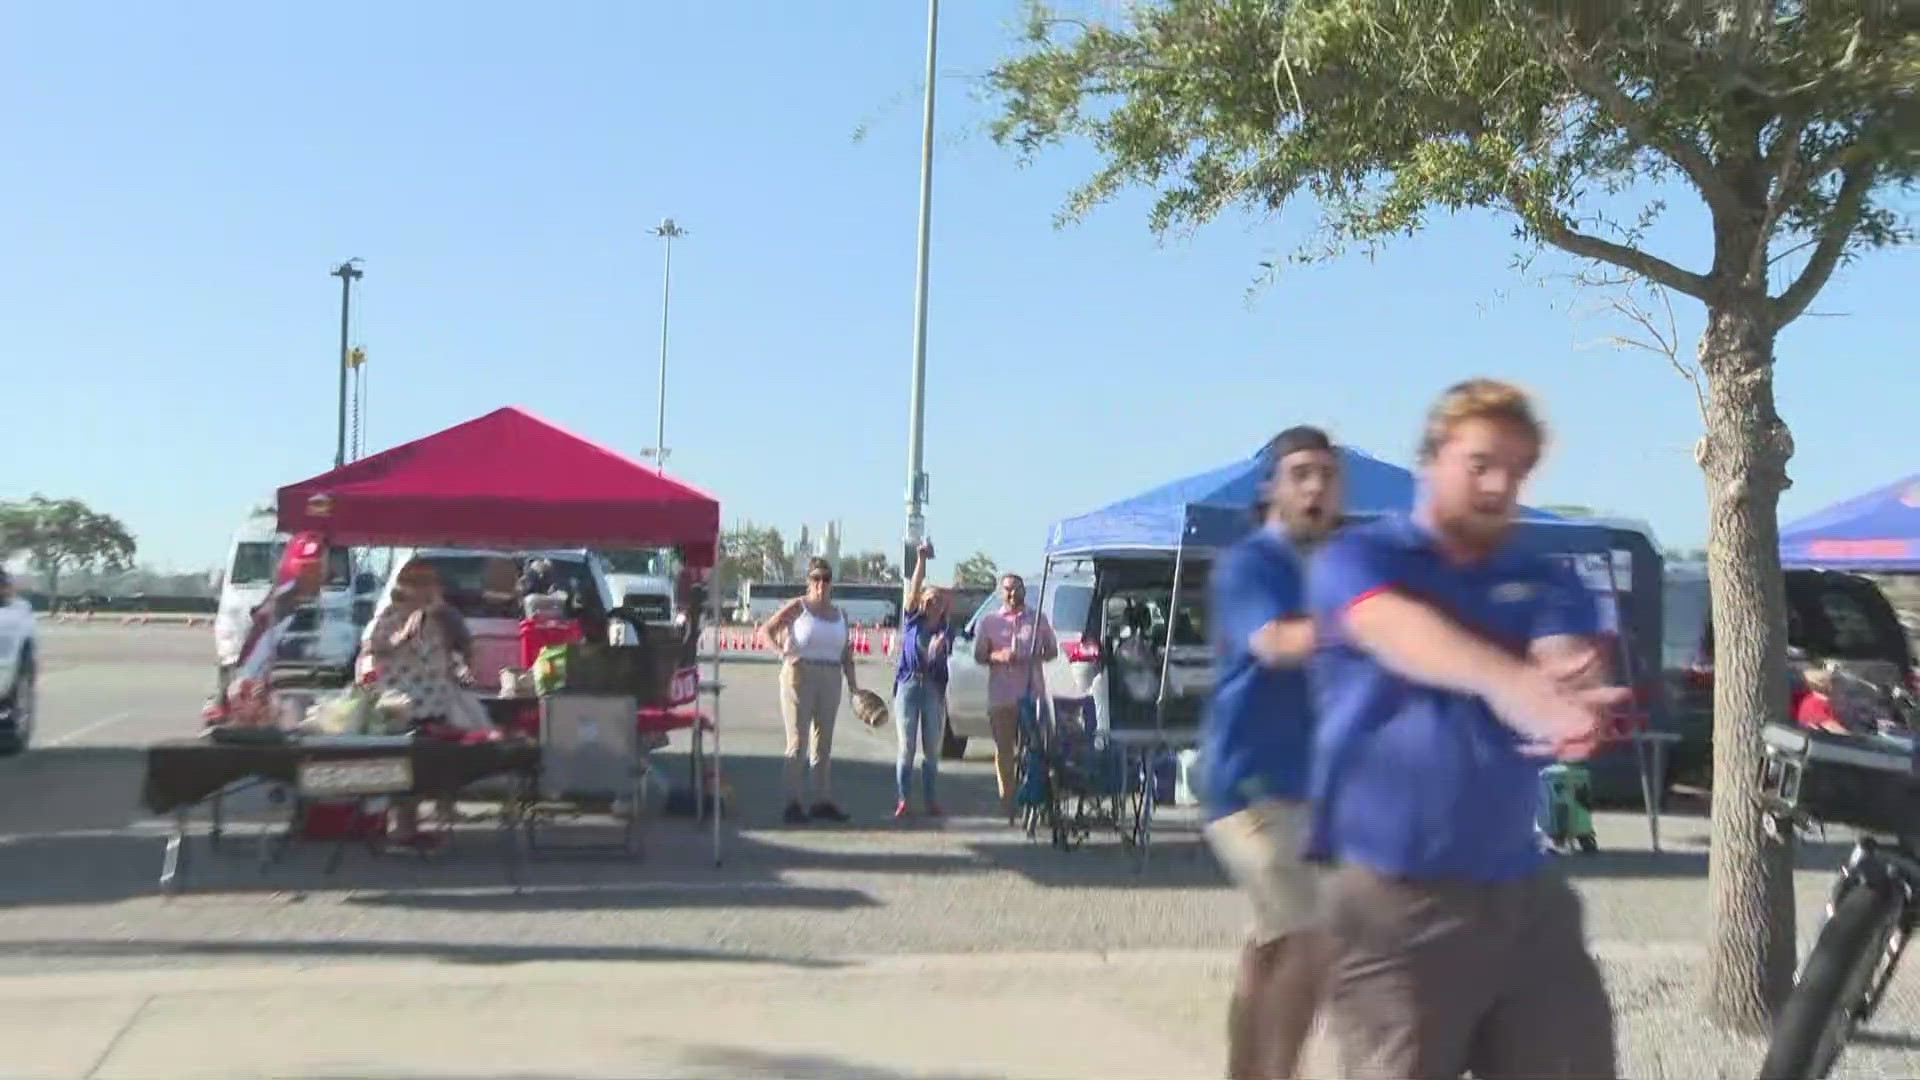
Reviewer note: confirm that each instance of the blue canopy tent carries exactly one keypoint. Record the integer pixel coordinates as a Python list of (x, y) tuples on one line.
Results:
[(1197, 516), (1211, 510), (1878, 532)]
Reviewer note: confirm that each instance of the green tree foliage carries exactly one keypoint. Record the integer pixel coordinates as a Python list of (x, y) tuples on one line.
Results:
[(1792, 122), (976, 571), (750, 552), (60, 535), (868, 566)]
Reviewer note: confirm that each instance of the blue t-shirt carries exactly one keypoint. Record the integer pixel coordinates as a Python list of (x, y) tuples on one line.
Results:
[(916, 661), (1410, 780), (1258, 730)]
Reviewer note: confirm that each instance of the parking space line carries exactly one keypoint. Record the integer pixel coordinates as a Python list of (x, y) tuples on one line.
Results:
[(103, 722)]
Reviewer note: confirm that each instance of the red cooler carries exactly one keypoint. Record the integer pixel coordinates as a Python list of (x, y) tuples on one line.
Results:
[(538, 633)]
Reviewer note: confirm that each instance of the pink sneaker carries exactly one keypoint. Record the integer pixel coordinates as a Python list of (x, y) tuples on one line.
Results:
[(900, 810)]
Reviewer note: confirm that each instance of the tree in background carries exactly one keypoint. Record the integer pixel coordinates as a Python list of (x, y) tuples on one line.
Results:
[(1791, 122), (868, 567), (976, 571), (58, 535), (750, 552)]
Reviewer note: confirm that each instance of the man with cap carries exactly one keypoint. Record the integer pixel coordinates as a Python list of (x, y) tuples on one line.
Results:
[(1254, 748)]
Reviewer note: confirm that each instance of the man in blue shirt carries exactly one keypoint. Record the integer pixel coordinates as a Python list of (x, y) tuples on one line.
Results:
[(1449, 669), (1253, 751)]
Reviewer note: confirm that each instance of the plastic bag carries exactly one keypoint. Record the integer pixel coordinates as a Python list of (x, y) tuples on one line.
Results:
[(349, 713), (550, 669)]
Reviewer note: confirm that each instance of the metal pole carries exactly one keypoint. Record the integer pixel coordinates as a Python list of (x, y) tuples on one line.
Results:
[(348, 272), (917, 410), (667, 231)]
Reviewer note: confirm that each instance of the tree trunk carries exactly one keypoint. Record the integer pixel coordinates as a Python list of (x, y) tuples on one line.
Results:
[(1750, 956)]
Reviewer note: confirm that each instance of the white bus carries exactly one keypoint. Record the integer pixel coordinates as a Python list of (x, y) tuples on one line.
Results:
[(866, 604)]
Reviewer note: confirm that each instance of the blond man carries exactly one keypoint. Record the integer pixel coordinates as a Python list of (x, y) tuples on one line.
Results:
[(1449, 668)]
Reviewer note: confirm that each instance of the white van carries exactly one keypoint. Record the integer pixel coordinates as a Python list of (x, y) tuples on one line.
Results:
[(323, 635)]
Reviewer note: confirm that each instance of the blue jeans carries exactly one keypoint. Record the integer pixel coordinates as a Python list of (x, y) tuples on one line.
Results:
[(920, 712)]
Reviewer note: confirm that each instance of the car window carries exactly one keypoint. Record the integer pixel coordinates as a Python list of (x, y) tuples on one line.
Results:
[(1845, 622), (1132, 613), (1828, 617), (1068, 607), (1684, 622), (463, 584), (256, 561), (988, 606), (581, 586), (253, 563)]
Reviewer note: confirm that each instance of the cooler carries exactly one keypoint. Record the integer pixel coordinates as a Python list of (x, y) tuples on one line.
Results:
[(541, 631)]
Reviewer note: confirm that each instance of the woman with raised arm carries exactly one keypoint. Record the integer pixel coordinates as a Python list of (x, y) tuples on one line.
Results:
[(920, 684)]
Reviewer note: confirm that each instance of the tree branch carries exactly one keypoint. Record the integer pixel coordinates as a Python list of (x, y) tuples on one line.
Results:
[(1719, 196), (1651, 267), (1782, 159), (1854, 184)]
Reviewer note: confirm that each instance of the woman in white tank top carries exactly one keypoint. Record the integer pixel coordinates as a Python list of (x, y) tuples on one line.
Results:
[(812, 636)]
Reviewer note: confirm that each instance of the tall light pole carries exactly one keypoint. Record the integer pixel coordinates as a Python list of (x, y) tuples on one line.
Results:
[(667, 231), (917, 407), (348, 272)]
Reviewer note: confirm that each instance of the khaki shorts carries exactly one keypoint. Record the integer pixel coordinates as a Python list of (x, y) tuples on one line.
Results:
[(1259, 847)]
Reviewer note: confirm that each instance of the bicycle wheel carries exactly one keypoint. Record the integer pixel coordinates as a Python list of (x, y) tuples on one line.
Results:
[(1831, 992)]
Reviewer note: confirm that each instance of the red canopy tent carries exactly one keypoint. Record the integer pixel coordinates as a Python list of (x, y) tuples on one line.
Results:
[(512, 480), (507, 479)]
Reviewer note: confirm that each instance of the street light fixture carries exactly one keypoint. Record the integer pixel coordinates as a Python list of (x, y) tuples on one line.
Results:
[(348, 272), (669, 232)]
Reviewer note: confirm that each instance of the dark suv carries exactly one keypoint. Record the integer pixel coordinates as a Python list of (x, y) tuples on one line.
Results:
[(1830, 616)]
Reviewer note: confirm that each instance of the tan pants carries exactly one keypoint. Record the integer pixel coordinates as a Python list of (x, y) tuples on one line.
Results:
[(809, 701), (1004, 721)]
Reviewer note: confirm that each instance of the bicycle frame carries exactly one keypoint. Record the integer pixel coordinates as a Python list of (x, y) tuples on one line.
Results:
[(1883, 867), (1888, 867)]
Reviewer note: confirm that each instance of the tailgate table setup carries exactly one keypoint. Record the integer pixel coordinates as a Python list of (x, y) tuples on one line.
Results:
[(508, 481)]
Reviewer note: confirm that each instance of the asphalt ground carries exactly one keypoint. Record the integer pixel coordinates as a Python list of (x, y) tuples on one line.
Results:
[(79, 859)]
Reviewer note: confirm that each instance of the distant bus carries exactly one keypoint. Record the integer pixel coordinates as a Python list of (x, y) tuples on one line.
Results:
[(870, 605)]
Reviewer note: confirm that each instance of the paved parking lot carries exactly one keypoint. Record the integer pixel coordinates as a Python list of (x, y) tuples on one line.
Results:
[(859, 907)]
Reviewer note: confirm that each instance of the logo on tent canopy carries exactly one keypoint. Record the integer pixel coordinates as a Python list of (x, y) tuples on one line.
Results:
[(320, 505), (1911, 496)]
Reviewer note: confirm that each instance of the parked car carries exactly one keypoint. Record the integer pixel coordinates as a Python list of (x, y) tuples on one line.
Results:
[(1112, 622), (1831, 616), (19, 697)]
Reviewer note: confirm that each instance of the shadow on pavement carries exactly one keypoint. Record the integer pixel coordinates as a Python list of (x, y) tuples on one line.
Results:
[(448, 952), (1671, 863), (72, 832), (747, 1061), (1174, 862), (716, 896)]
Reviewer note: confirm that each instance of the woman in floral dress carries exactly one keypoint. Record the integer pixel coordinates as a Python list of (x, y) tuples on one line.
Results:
[(419, 646)]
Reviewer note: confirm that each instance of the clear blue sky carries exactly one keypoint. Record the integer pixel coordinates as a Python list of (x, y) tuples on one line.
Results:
[(177, 180)]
